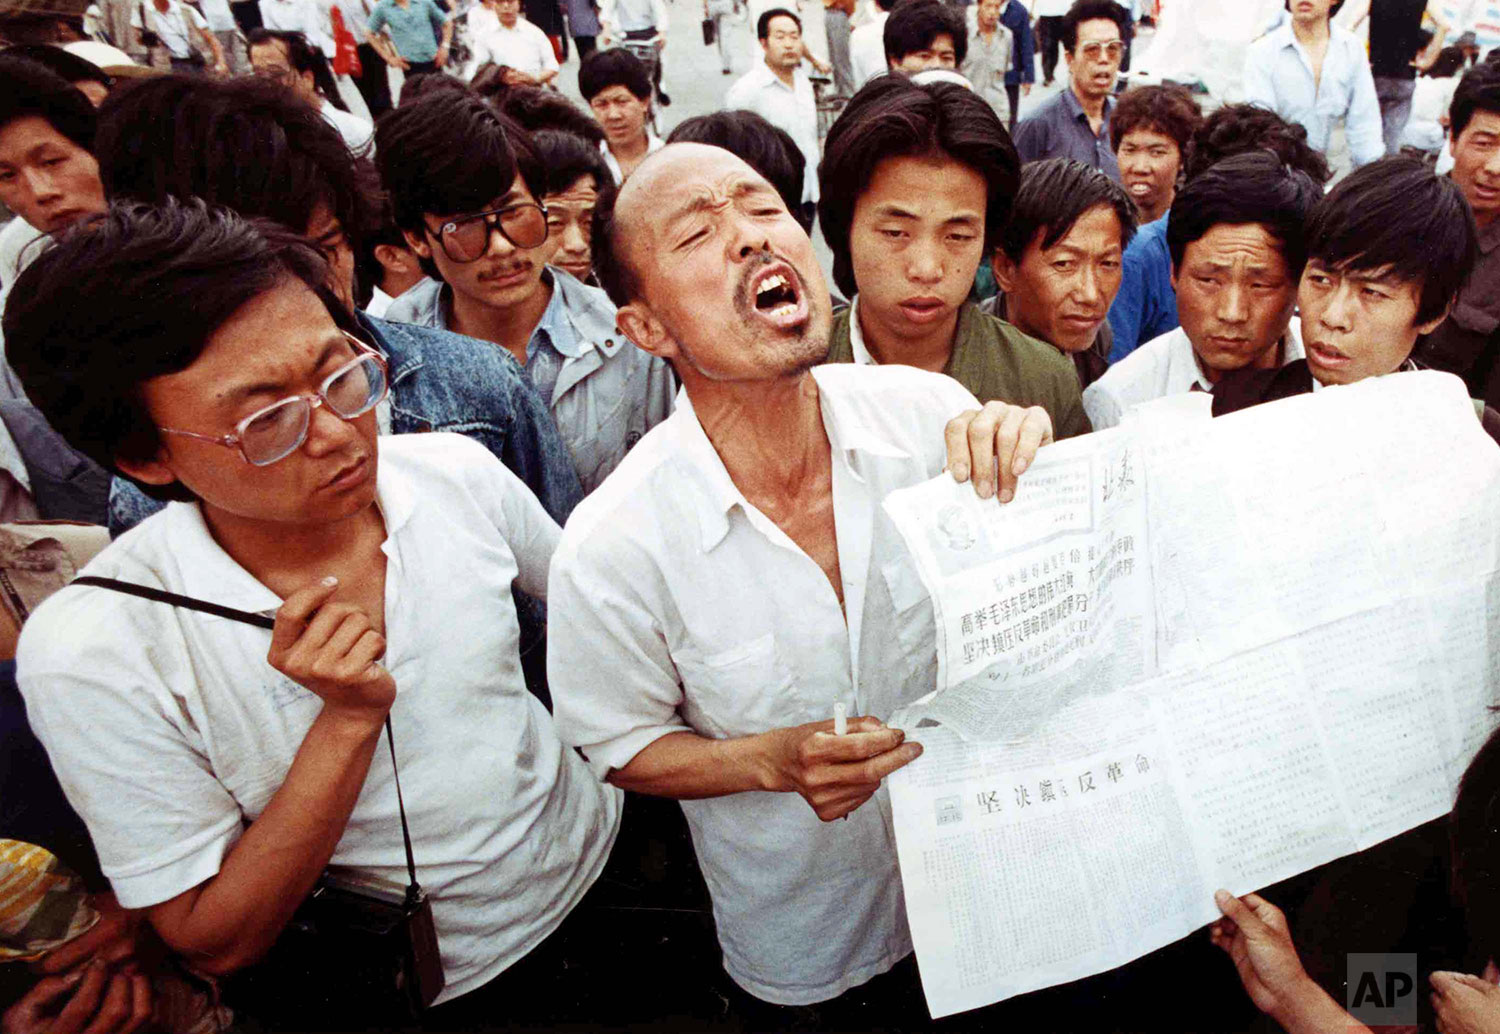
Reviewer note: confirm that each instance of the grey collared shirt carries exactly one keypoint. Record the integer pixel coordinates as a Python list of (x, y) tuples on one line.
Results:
[(1060, 129)]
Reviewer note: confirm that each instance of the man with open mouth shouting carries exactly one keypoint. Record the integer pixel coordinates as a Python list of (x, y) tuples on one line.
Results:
[(729, 587)]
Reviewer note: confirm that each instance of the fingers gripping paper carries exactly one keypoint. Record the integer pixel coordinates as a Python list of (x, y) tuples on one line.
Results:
[(1190, 655)]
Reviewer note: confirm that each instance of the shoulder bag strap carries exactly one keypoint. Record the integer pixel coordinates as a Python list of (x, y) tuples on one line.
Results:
[(413, 890)]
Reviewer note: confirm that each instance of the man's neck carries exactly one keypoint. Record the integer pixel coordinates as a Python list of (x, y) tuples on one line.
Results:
[(633, 151), (1311, 33), (770, 436), (510, 327), (931, 351), (1093, 107), (1151, 213), (782, 72), (285, 556)]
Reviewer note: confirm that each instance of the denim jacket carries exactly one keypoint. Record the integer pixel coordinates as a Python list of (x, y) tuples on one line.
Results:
[(444, 382), (607, 396)]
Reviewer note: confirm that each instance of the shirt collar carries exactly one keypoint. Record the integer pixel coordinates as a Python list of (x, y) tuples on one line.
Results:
[(1489, 237), (555, 328), (1075, 106), (848, 432), (857, 345)]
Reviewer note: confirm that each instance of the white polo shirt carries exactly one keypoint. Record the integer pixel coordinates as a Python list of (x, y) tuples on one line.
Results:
[(791, 108), (677, 606), (523, 47), (1166, 365), (169, 731)]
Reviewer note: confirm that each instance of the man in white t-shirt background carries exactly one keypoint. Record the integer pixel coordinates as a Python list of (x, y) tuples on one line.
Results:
[(177, 30), (499, 35)]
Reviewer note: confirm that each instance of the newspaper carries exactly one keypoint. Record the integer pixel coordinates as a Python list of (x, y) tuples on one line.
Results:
[(1192, 654)]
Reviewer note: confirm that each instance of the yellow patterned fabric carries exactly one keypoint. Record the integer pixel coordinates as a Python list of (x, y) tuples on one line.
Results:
[(42, 903)]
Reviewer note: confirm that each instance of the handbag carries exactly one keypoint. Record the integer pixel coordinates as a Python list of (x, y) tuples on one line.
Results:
[(359, 951), (710, 32), (149, 39)]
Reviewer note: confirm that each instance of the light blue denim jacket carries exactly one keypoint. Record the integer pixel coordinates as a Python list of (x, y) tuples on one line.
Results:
[(608, 394)]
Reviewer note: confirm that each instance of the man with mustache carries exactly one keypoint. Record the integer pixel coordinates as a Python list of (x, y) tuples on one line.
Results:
[(1059, 260), (1236, 240), (464, 182), (1075, 123), (729, 588)]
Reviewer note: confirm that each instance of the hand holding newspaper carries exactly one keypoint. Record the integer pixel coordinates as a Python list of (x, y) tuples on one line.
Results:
[(1190, 655)]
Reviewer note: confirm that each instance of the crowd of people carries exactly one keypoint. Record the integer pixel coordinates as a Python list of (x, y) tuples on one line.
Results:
[(577, 657)]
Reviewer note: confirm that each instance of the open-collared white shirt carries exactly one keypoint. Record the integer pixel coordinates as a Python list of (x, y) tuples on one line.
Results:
[(169, 731), (1279, 76), (677, 606), (792, 108), (523, 46), (1166, 365), (654, 143)]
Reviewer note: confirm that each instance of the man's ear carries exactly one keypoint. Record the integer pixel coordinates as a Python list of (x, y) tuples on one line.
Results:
[(640, 325), (1431, 325), (152, 471), (399, 260), (1006, 274), (418, 244)]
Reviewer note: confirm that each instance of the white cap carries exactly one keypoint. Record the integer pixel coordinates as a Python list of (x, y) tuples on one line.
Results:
[(108, 59)]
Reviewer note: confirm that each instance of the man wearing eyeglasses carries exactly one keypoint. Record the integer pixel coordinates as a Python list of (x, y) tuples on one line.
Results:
[(220, 768), (464, 183), (1075, 123)]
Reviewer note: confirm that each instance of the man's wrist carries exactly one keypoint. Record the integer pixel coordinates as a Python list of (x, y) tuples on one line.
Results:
[(353, 724), (1305, 1006)]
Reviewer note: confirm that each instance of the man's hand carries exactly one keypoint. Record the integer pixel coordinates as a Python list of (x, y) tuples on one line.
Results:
[(836, 774), (1255, 935), (115, 939), (91, 1000), (332, 649), (442, 56), (1025, 89), (1465, 1004), (659, 41), (996, 443)]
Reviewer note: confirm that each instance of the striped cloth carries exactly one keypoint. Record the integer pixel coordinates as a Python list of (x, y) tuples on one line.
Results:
[(42, 904)]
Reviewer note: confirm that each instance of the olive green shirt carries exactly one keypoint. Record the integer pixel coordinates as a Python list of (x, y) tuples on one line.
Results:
[(996, 361)]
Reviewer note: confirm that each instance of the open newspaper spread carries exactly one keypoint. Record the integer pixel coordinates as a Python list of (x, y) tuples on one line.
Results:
[(1191, 654)]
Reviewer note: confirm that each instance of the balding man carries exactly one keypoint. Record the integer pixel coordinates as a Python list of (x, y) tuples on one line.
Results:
[(728, 587)]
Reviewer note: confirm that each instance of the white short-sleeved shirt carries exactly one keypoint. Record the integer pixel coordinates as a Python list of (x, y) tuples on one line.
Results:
[(677, 606), (169, 730), (172, 26), (654, 143), (359, 135), (1166, 365), (523, 47), (791, 108), (867, 49)]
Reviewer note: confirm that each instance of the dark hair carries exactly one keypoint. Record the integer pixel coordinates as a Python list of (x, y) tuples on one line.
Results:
[(1398, 217), (451, 153), (42, 28), (615, 276), (889, 5), (763, 23), (1088, 11), (1168, 110), (1252, 188), (534, 108), (1237, 128), (489, 82), (1478, 90), (1054, 195), (303, 57), (915, 24), (566, 158), (1474, 834), (28, 89), (246, 144), (613, 67), (767, 149), (1331, 11), (891, 117), (1450, 61), (136, 293), (65, 63), (422, 84)]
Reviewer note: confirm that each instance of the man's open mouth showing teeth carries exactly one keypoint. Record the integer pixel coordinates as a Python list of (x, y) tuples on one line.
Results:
[(776, 296)]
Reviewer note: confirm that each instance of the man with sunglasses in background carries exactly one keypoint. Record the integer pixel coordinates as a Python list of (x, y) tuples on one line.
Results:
[(221, 767), (1075, 123), (464, 183)]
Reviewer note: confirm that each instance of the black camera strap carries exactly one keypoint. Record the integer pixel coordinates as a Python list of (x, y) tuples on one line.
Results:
[(413, 890)]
